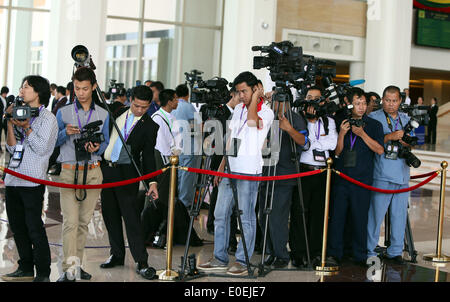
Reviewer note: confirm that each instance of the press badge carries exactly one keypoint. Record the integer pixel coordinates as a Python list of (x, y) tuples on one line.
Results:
[(319, 156), (17, 156), (350, 159)]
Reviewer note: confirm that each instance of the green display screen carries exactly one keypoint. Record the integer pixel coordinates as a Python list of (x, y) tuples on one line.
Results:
[(433, 29)]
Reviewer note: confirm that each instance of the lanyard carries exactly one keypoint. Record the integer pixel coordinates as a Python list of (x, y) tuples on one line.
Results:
[(352, 141), (318, 134), (32, 120), (389, 121), (79, 122), (240, 120), (168, 121), (127, 134)]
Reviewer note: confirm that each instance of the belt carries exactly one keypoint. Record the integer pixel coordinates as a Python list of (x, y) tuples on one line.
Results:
[(81, 168), (310, 167)]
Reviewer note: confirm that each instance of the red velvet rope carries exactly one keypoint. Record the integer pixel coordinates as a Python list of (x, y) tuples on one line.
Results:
[(70, 186), (254, 178), (422, 175), (370, 188)]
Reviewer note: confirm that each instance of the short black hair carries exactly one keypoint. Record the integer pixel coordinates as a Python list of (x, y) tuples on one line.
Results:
[(61, 89), (143, 93), (53, 86), (371, 94), (122, 92), (4, 90), (107, 95), (158, 85), (392, 89), (165, 96), (315, 87), (182, 91), (85, 74), (245, 77), (41, 86), (355, 91), (148, 81)]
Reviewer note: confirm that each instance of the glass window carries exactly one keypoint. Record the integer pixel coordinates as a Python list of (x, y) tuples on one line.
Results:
[(129, 8), (194, 12), (167, 10), (3, 27), (42, 4)]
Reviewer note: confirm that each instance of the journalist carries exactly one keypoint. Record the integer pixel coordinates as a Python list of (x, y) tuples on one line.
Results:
[(322, 137), (30, 143), (249, 126), (80, 161), (391, 172), (139, 132), (360, 138)]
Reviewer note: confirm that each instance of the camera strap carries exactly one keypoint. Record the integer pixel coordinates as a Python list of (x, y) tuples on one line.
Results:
[(390, 123), (75, 182)]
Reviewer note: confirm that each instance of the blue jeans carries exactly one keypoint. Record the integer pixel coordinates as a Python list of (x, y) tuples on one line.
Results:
[(247, 192), (187, 180), (379, 204)]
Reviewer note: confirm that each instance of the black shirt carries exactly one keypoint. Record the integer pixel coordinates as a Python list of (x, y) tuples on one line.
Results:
[(365, 157)]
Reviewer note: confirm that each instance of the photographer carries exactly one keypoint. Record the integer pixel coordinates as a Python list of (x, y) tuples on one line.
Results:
[(282, 196), (389, 174), (249, 127), (139, 132), (119, 102), (156, 87), (323, 139), (78, 158), (433, 121), (30, 142), (360, 138)]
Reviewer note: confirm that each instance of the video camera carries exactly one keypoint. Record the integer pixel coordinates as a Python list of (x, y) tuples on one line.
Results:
[(394, 149), (419, 113), (116, 88), (88, 134), (22, 111), (212, 93)]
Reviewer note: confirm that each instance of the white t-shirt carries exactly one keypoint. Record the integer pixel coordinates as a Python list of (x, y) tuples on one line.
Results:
[(167, 137), (320, 141), (249, 159)]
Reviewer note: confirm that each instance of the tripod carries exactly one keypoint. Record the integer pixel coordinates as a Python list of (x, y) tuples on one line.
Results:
[(284, 97), (202, 188)]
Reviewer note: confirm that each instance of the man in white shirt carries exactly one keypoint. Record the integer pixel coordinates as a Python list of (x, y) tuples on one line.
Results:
[(407, 99), (323, 139), (249, 126)]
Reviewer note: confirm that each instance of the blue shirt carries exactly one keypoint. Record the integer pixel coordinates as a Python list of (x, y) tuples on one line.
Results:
[(363, 171), (153, 108), (394, 171)]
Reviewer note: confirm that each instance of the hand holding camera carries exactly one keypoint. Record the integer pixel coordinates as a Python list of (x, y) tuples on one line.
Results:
[(71, 130), (397, 135), (359, 131), (345, 126)]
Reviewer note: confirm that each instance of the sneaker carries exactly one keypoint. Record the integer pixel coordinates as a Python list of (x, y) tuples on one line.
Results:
[(18, 275), (237, 270), (213, 265)]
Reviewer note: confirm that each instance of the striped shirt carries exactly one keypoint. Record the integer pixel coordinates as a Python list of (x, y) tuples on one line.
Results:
[(38, 147)]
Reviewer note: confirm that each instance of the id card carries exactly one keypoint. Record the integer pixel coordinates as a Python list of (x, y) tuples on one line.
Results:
[(350, 159), (17, 157), (319, 156)]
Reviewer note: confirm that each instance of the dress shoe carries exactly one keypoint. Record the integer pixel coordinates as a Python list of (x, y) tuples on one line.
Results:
[(398, 260), (145, 271), (64, 278), (41, 279), (196, 242), (18, 275), (112, 262), (280, 263), (270, 259), (298, 261), (84, 275)]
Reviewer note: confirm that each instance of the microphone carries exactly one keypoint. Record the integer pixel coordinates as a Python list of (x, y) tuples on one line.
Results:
[(356, 82)]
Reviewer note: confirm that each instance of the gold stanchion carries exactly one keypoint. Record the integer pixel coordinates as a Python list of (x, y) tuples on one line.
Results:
[(169, 274), (438, 257), (322, 269)]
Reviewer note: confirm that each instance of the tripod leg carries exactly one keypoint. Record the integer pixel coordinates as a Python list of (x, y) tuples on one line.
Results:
[(409, 241)]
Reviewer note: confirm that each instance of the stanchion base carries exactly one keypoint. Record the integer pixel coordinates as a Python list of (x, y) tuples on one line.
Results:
[(327, 270), (167, 275), (435, 258)]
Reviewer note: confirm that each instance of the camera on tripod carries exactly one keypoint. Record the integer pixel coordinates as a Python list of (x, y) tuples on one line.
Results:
[(116, 88), (418, 113), (212, 93), (394, 149), (22, 111), (89, 134)]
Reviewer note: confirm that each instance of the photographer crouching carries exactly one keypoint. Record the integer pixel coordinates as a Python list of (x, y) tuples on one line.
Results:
[(391, 172), (31, 137), (81, 149)]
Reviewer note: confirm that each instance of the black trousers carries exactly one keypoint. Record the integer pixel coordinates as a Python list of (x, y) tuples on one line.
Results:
[(278, 231), (349, 201), (24, 210), (122, 203), (313, 189), (432, 133)]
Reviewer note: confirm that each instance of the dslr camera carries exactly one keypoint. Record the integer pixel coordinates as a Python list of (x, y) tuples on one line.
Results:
[(88, 134), (22, 111), (394, 149), (351, 120)]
